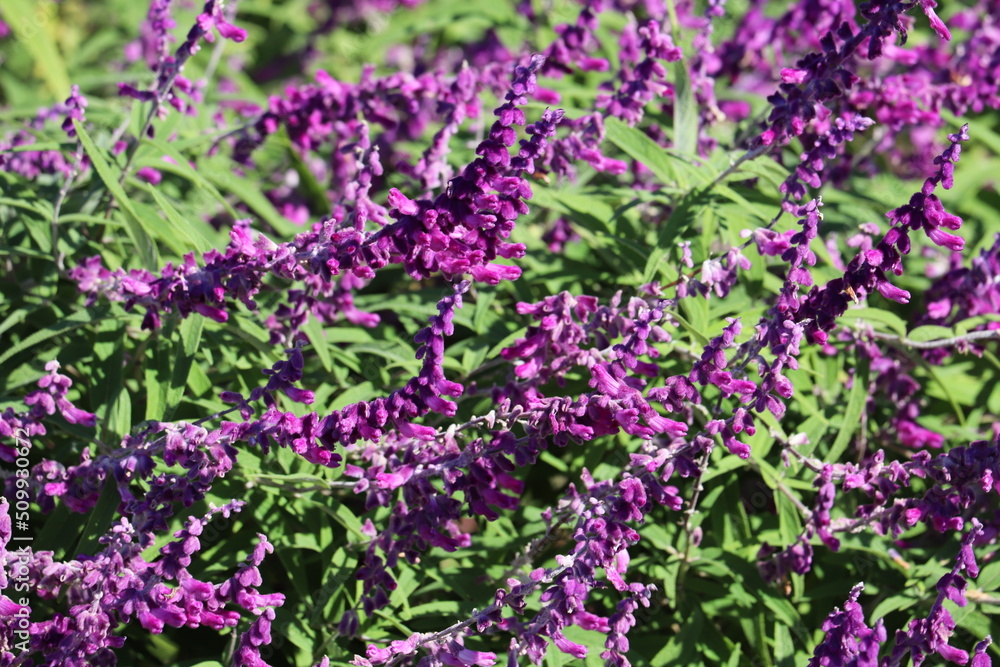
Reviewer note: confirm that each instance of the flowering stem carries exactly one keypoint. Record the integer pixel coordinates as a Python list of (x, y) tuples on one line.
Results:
[(57, 207), (688, 517), (991, 334), (751, 154), (165, 86)]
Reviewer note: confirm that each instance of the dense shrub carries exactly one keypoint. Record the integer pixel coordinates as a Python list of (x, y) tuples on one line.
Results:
[(461, 333)]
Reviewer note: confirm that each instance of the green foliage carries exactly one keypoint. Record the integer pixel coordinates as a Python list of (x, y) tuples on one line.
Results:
[(713, 607)]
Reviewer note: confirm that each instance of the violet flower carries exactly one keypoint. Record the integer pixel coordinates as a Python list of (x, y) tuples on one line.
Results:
[(169, 80), (9, 610), (32, 164), (929, 635), (47, 400), (154, 40), (866, 273), (572, 49), (117, 585), (848, 639), (963, 293), (462, 231), (641, 81)]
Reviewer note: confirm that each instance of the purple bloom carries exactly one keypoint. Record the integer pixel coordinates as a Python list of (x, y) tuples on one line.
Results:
[(641, 81), (149, 175), (47, 400), (155, 38), (866, 273), (848, 639), (930, 635), (32, 164)]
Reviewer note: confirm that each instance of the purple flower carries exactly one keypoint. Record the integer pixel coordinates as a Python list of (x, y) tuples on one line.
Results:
[(8, 608), (848, 639), (866, 273), (641, 81), (149, 175), (32, 164), (980, 658)]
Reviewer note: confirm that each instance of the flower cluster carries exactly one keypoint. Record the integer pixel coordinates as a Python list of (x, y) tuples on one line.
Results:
[(32, 164), (168, 68), (47, 400), (461, 231), (867, 272)]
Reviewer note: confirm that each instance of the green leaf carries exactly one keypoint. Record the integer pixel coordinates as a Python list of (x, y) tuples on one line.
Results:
[(120, 415), (482, 310), (984, 134), (311, 188), (30, 22), (784, 647), (681, 219), (395, 352), (100, 518), (34, 206), (696, 312), (184, 354), (506, 341), (891, 604), (292, 560), (246, 328), (783, 611), (14, 318), (181, 225), (138, 229), (693, 623), (38, 145), (314, 332), (974, 622), (770, 474), (585, 210), (672, 569), (930, 332), (406, 584), (945, 389), (701, 338), (156, 390), (182, 168), (767, 169), (882, 319), (638, 146), (59, 532), (653, 263), (747, 206), (198, 381), (249, 194), (74, 321), (989, 577), (856, 399), (758, 635), (789, 521), (159, 230), (554, 461), (967, 325), (342, 515), (685, 112)]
